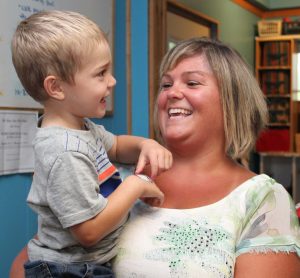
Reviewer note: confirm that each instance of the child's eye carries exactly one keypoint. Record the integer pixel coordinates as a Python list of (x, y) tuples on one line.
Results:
[(102, 73)]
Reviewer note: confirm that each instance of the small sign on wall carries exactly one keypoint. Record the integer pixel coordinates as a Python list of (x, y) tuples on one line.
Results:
[(17, 131)]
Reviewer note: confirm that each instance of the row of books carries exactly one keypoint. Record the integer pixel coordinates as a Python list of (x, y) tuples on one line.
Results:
[(275, 82), (275, 54)]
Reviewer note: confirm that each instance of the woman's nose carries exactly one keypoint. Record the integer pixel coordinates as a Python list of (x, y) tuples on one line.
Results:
[(175, 92)]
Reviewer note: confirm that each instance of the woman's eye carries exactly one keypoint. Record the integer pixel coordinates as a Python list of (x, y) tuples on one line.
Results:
[(165, 85), (192, 83)]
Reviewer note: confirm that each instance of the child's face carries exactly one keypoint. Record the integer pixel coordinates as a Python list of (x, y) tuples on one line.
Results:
[(93, 83)]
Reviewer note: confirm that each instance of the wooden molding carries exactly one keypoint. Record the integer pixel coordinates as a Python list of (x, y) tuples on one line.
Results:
[(194, 15), (173, 3), (282, 13), (247, 6), (128, 66), (157, 48)]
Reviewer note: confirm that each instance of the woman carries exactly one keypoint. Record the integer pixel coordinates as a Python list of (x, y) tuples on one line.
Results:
[(218, 219)]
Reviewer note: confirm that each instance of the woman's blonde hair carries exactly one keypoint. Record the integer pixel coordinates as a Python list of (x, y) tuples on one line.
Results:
[(244, 107), (52, 43)]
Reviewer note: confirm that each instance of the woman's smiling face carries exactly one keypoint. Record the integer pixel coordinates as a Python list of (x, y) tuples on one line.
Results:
[(189, 104)]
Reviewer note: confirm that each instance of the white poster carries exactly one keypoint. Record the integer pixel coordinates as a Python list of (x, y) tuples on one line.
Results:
[(17, 131)]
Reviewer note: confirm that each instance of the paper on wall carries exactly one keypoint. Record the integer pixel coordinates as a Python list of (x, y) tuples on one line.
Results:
[(17, 131)]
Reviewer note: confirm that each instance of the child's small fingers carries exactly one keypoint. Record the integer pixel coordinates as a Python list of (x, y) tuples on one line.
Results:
[(158, 201), (154, 166), (169, 161), (140, 165), (165, 163), (154, 172)]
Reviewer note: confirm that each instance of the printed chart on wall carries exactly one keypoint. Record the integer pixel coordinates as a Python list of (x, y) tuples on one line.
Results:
[(17, 131), (12, 94)]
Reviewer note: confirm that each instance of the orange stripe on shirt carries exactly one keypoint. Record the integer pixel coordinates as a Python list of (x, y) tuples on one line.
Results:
[(107, 173)]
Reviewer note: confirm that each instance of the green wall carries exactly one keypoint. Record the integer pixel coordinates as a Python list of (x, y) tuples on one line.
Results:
[(237, 26)]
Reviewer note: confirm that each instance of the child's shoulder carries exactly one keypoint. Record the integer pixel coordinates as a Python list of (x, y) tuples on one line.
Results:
[(59, 139), (95, 128)]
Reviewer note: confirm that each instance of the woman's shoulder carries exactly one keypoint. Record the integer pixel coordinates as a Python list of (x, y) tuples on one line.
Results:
[(260, 189), (269, 216), (259, 186)]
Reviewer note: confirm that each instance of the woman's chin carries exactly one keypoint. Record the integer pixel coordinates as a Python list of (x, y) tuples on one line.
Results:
[(174, 137)]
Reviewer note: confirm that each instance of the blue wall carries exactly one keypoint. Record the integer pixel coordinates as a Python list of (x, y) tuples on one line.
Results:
[(118, 123), (139, 67), (18, 223)]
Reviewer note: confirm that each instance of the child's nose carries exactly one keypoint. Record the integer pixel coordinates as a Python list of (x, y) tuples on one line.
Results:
[(111, 81)]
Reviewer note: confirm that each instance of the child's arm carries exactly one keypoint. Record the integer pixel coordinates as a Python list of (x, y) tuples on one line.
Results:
[(134, 149), (119, 203)]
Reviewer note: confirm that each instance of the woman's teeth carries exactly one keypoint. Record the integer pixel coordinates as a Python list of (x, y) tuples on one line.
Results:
[(173, 112)]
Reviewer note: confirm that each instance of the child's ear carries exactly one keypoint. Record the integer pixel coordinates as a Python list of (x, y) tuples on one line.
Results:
[(53, 87)]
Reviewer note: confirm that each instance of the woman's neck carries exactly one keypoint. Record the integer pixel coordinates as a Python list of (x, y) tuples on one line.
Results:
[(202, 159), (201, 181)]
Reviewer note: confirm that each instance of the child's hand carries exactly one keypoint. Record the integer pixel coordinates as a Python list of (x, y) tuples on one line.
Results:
[(149, 192), (153, 202), (159, 158)]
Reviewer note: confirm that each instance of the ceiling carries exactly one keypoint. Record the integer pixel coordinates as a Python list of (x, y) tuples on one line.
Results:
[(272, 8), (273, 5)]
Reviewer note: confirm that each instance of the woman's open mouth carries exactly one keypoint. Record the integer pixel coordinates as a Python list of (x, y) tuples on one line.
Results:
[(179, 112)]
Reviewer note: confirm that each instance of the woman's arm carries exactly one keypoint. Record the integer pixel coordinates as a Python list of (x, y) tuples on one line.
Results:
[(17, 267), (270, 264), (269, 241)]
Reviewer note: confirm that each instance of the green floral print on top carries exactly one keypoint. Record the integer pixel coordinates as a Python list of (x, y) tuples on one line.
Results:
[(205, 241)]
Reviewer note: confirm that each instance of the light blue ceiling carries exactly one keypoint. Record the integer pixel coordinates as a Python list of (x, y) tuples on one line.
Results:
[(275, 4)]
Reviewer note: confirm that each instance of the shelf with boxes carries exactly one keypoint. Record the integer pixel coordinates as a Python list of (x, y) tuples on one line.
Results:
[(274, 71), (284, 167)]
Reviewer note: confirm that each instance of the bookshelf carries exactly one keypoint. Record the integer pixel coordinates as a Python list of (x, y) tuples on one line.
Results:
[(274, 72)]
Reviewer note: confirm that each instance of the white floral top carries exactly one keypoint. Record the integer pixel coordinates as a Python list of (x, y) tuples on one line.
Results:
[(258, 216)]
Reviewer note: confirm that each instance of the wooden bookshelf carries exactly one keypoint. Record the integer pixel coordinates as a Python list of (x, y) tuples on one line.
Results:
[(273, 68)]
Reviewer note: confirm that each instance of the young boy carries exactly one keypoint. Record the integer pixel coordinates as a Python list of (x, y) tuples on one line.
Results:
[(63, 61)]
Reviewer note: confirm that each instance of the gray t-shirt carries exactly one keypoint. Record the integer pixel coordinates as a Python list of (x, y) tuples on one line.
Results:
[(69, 167)]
